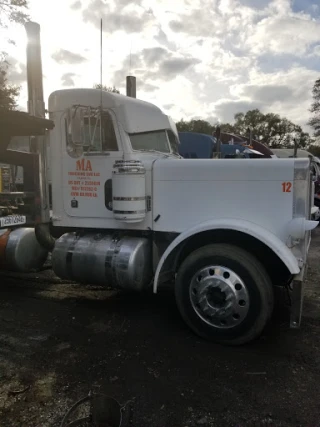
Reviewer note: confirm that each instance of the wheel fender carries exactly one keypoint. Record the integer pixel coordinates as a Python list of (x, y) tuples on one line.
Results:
[(250, 228)]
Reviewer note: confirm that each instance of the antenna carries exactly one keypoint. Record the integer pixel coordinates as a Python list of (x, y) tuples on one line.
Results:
[(130, 55), (101, 81), (101, 63)]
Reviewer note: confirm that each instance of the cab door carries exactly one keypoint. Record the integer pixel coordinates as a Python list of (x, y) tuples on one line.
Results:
[(87, 163)]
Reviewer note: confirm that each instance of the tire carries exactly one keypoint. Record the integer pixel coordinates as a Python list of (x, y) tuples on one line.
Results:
[(230, 310)]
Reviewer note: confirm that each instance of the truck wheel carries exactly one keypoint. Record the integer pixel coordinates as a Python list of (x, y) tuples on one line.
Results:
[(224, 294)]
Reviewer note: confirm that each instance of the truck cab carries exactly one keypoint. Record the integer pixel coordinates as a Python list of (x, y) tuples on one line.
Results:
[(89, 140), (129, 212)]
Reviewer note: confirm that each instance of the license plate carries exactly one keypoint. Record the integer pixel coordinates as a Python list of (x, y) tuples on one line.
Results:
[(7, 221)]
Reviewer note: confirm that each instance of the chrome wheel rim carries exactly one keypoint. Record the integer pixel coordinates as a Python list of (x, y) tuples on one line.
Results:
[(219, 296)]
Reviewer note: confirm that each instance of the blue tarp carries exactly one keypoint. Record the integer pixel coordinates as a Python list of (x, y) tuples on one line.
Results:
[(196, 145), (201, 146)]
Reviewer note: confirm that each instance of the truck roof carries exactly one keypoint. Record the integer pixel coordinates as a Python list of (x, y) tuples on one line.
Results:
[(134, 114)]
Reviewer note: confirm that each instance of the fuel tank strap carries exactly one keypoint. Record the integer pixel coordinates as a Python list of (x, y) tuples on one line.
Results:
[(69, 256)]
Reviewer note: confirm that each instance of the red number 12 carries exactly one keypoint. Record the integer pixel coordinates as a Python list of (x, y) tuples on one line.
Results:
[(286, 187)]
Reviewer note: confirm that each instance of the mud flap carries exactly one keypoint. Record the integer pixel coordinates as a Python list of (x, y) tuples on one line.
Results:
[(4, 236)]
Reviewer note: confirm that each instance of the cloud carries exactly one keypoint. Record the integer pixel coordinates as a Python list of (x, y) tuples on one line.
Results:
[(226, 108), (261, 4), (168, 106), (63, 56), (76, 5), (285, 34), (127, 16), (269, 93), (162, 38), (284, 92), (147, 87), (152, 56), (205, 58), (67, 79), (16, 71), (153, 64), (189, 23), (174, 66), (316, 50)]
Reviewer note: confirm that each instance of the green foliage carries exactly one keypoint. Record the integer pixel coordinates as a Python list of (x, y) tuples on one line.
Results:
[(106, 88), (11, 11), (199, 126), (314, 149), (315, 108), (8, 93)]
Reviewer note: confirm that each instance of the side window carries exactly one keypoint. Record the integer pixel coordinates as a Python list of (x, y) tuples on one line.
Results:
[(99, 133)]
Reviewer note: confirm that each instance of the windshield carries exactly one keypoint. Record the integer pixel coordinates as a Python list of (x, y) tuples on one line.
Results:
[(155, 141)]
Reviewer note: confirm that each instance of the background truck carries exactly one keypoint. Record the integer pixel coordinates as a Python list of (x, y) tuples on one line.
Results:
[(195, 145), (129, 212)]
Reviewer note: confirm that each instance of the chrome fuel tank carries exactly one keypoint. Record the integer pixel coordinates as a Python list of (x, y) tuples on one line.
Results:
[(98, 258)]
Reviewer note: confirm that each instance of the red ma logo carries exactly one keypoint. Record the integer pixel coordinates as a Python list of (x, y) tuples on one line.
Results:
[(83, 165)]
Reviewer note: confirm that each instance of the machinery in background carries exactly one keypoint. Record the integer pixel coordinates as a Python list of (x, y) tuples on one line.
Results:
[(5, 181), (201, 146)]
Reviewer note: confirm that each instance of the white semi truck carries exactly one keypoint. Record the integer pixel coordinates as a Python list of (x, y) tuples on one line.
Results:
[(129, 212)]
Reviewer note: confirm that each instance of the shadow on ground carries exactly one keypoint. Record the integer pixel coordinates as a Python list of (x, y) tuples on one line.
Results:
[(59, 340)]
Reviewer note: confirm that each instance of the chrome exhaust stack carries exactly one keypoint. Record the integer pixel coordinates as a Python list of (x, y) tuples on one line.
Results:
[(131, 86)]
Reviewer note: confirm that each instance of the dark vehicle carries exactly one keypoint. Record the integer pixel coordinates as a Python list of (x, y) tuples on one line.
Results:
[(201, 146)]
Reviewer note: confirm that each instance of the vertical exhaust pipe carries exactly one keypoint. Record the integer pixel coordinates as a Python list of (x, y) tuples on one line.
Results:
[(34, 71), (131, 86), (36, 107)]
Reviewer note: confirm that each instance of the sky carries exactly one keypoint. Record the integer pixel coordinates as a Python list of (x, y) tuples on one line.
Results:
[(205, 59)]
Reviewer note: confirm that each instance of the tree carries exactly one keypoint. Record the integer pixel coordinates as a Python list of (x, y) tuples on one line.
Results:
[(13, 11), (8, 93), (195, 125), (314, 149), (268, 128), (106, 88), (315, 108), (10, 11)]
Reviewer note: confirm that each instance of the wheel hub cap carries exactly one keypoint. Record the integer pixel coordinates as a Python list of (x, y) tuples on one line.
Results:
[(219, 296)]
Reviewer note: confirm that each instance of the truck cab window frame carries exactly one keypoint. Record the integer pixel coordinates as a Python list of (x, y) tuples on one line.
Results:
[(98, 139), (101, 131)]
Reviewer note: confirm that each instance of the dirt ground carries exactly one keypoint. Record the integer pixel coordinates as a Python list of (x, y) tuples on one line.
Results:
[(59, 340)]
